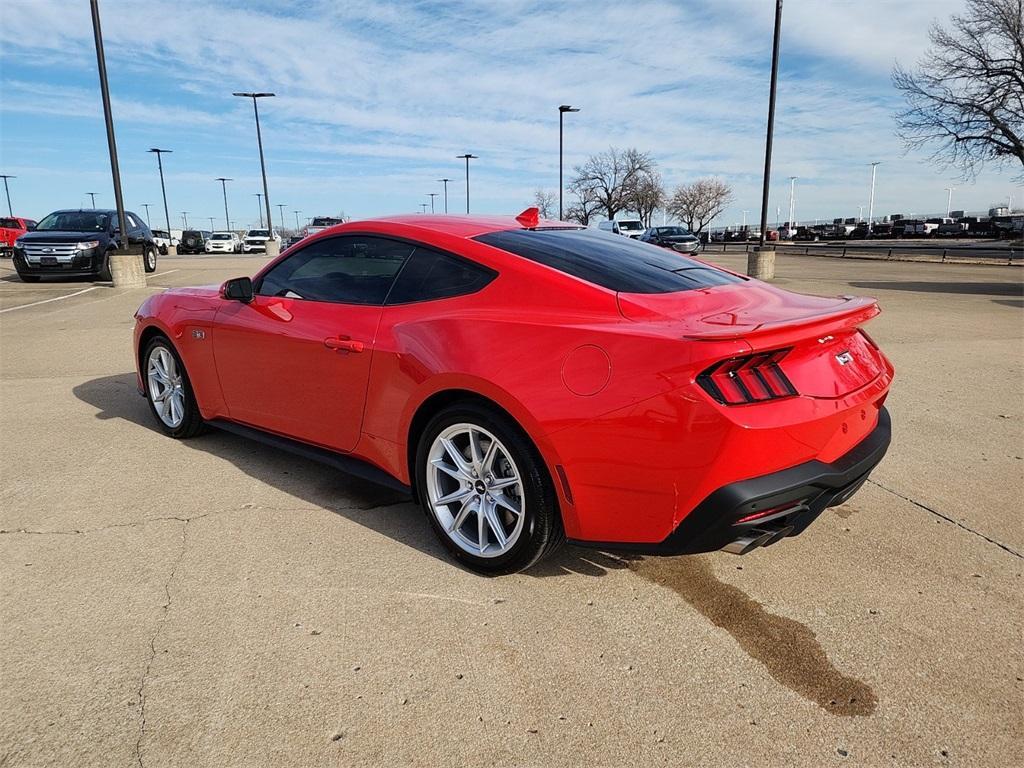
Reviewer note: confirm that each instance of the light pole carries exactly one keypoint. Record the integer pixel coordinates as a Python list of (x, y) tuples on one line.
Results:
[(745, 219), (424, 207), (93, 196), (561, 114), (871, 200), (259, 205), (211, 222), (124, 268), (224, 188), (5, 177), (445, 182), (949, 200), (146, 206), (860, 213), (263, 166), (771, 123), (431, 195), (163, 189), (792, 209), (184, 218), (296, 221), (467, 157), (281, 207)]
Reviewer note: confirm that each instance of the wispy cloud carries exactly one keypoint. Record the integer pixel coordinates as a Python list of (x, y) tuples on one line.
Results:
[(375, 99)]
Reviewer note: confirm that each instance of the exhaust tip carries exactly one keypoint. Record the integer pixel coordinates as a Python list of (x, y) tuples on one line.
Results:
[(755, 538)]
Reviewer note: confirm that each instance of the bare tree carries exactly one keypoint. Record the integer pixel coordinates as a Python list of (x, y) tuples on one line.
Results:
[(966, 96), (546, 202), (582, 209), (607, 178), (697, 203), (646, 195)]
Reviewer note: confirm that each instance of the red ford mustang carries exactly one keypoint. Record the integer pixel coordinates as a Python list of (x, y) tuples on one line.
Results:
[(529, 381)]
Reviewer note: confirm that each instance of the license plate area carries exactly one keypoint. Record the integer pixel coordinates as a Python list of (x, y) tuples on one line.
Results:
[(48, 261)]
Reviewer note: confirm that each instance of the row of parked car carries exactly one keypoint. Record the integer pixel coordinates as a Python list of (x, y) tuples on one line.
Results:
[(999, 226), (206, 241)]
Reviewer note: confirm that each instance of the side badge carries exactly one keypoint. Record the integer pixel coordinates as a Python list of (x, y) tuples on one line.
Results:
[(198, 333)]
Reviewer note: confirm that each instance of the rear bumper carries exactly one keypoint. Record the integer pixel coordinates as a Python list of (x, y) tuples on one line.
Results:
[(801, 493)]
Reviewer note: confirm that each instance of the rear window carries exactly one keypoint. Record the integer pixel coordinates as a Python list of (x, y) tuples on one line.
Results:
[(611, 261), (10, 224)]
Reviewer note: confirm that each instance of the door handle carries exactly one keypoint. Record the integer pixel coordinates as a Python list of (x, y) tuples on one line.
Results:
[(343, 343)]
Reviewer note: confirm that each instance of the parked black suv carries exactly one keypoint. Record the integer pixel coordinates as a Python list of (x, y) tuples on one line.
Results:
[(76, 243), (194, 241)]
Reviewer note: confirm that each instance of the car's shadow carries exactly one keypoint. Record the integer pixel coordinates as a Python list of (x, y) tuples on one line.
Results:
[(383, 510)]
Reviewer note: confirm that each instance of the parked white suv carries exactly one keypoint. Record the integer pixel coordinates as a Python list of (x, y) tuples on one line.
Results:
[(255, 240), (223, 242), (163, 240)]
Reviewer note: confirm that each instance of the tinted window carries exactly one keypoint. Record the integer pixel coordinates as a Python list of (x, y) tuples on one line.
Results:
[(10, 223), (430, 275), (611, 261), (348, 270)]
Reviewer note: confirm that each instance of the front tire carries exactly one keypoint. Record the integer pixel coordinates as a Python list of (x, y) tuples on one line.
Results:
[(486, 491), (104, 274), (169, 391), (29, 278)]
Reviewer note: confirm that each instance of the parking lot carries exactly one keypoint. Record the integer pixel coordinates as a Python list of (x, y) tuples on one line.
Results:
[(214, 602)]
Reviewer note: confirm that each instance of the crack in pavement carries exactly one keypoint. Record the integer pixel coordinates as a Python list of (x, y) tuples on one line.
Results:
[(948, 519), (112, 526), (165, 608)]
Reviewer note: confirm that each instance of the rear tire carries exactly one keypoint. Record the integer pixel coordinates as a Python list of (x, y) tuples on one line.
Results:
[(149, 259), (169, 391), (486, 467)]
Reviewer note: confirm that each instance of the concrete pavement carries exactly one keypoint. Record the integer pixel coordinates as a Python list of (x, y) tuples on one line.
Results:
[(217, 603)]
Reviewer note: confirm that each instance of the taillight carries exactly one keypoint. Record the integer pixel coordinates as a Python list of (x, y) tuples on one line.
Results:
[(749, 379)]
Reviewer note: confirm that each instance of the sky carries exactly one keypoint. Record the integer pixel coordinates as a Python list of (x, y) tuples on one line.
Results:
[(376, 98)]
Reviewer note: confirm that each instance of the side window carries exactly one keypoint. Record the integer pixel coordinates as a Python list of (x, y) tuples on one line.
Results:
[(431, 275), (346, 270)]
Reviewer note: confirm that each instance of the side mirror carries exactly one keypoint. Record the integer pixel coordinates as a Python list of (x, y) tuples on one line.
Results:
[(238, 289)]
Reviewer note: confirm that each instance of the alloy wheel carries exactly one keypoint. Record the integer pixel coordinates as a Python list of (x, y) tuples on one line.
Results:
[(475, 490), (166, 389)]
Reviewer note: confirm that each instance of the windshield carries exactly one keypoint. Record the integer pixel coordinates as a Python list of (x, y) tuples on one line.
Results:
[(75, 221), (159, 233), (257, 233), (631, 226), (673, 231), (220, 236)]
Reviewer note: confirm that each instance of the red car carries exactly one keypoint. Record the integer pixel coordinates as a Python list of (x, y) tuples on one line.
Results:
[(529, 381), (11, 228)]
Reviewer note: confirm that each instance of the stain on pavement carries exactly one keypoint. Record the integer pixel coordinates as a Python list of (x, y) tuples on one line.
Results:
[(788, 649)]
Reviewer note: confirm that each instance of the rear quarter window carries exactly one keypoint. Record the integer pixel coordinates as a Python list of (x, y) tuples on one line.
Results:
[(611, 261), (430, 275)]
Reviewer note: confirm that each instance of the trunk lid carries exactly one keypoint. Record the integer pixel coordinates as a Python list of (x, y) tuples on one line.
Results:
[(828, 356)]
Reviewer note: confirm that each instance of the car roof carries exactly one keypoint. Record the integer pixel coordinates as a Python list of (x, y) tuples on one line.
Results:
[(460, 225)]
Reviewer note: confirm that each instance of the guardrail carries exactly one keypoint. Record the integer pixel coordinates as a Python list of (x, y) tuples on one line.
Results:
[(1011, 254)]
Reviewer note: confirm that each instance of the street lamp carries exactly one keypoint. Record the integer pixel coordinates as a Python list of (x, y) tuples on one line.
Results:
[(431, 195), (445, 182), (745, 219), (949, 200), (467, 157), (224, 188), (184, 218), (296, 221), (860, 213), (263, 167), (146, 206), (771, 125), (259, 206), (211, 222), (280, 207), (5, 177), (871, 200), (163, 189), (792, 210), (561, 114), (93, 196), (424, 207)]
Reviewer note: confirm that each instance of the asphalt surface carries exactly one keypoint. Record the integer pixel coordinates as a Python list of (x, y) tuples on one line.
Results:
[(217, 603)]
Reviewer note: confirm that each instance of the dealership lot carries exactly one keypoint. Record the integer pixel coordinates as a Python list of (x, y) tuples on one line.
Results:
[(215, 602)]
